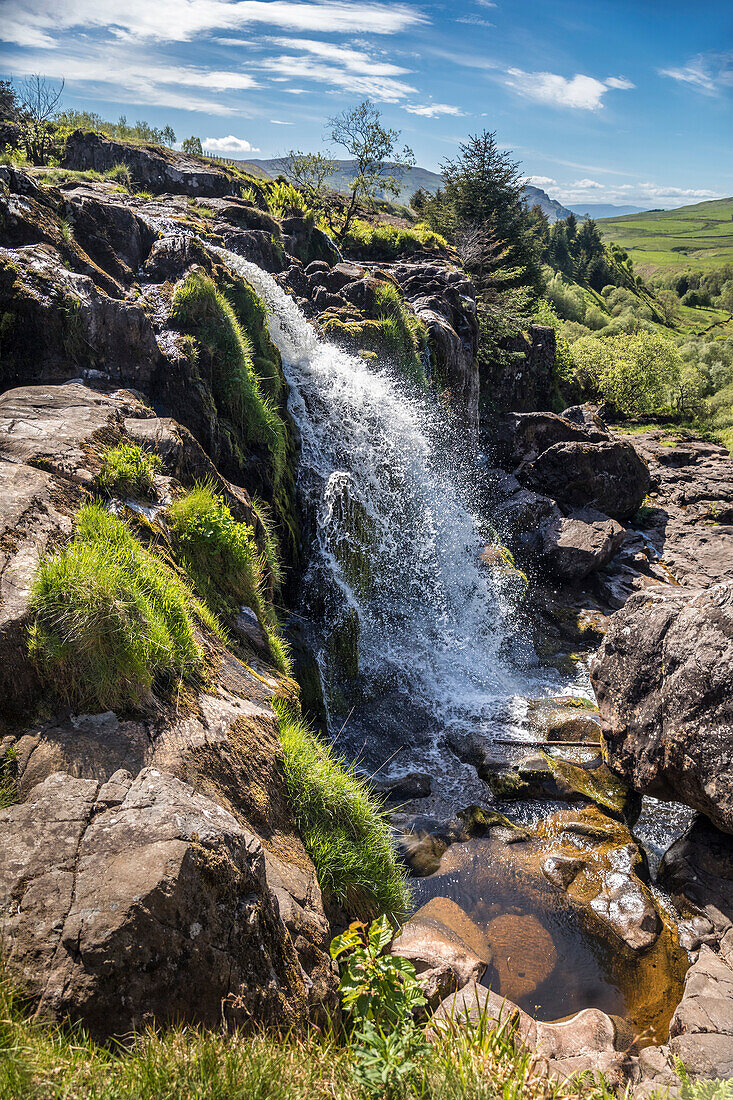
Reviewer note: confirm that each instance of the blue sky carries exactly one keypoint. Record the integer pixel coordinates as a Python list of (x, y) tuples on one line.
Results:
[(626, 101)]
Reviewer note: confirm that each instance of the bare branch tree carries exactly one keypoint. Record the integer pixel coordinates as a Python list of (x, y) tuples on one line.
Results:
[(39, 100)]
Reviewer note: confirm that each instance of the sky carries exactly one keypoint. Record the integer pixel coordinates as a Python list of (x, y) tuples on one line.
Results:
[(619, 101)]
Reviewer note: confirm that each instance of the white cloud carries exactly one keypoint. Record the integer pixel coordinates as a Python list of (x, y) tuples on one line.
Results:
[(581, 92), (136, 78), (279, 122), (475, 21), (588, 185), (433, 110), (38, 22), (619, 82), (637, 194), (342, 67), (539, 181), (230, 144), (708, 73)]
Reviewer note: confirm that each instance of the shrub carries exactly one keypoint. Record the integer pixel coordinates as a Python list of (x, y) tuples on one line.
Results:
[(226, 351), (128, 470), (113, 622), (342, 826), (284, 200), (8, 777), (221, 557), (120, 173), (387, 242)]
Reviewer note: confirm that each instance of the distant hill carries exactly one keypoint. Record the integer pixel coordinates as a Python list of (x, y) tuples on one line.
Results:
[(604, 210), (699, 236), (411, 180)]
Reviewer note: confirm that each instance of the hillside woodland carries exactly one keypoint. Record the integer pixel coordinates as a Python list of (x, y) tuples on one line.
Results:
[(366, 605)]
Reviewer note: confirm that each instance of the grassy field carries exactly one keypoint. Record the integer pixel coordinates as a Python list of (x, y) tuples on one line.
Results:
[(698, 237)]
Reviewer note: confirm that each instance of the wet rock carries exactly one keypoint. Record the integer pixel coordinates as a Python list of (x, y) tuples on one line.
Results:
[(580, 543), (603, 875), (587, 416), (422, 840), (524, 953), (565, 718), (447, 949), (404, 788), (662, 679), (156, 908), (609, 477), (522, 437)]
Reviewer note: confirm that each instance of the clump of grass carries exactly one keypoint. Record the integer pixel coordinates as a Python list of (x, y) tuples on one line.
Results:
[(120, 173), (226, 353), (342, 826), (388, 242), (67, 230), (127, 470), (113, 622), (222, 559), (8, 777), (403, 334)]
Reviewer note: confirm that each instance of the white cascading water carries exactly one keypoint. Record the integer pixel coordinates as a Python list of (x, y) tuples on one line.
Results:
[(432, 619)]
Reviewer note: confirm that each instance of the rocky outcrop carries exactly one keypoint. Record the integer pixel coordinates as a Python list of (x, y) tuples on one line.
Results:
[(445, 301), (151, 166), (580, 543), (662, 680), (523, 378)]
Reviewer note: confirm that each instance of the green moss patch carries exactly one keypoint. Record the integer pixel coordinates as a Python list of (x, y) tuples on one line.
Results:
[(114, 623), (342, 826), (383, 241)]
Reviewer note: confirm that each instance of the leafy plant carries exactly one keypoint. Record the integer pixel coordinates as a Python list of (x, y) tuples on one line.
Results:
[(379, 994), (8, 776), (343, 828), (128, 470), (702, 1090)]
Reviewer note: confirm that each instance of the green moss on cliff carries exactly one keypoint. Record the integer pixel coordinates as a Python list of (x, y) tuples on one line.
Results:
[(342, 826), (113, 622), (383, 241)]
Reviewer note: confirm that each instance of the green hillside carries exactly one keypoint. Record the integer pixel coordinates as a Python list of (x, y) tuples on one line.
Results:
[(699, 236)]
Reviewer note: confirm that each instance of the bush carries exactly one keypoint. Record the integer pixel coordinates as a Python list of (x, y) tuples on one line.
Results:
[(342, 826), (222, 559), (128, 470), (567, 299), (388, 242), (113, 622), (226, 352), (638, 372)]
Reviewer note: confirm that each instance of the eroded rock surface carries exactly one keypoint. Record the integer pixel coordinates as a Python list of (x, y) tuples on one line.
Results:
[(662, 680)]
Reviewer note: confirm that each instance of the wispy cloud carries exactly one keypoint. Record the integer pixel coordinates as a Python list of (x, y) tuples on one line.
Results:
[(708, 73), (638, 194), (474, 21), (433, 110), (279, 122), (230, 144), (343, 67), (38, 22), (579, 92)]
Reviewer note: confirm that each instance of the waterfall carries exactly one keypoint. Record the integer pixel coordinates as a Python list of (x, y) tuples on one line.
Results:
[(395, 540)]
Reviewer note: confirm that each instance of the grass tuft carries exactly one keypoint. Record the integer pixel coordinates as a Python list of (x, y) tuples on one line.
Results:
[(390, 242), (226, 353), (342, 826), (222, 559), (403, 334), (113, 622), (128, 471)]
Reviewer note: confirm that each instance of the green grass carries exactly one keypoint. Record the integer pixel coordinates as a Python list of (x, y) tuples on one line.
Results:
[(403, 335), (699, 236), (390, 242), (42, 1062), (8, 777), (113, 622), (222, 559), (342, 826), (226, 355), (128, 471)]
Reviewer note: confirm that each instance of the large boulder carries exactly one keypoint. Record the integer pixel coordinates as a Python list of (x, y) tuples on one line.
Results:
[(579, 544), (521, 437), (608, 476), (663, 682), (147, 901)]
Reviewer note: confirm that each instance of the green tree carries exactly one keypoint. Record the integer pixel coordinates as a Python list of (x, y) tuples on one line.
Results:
[(192, 145), (167, 136), (374, 147), (310, 173)]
